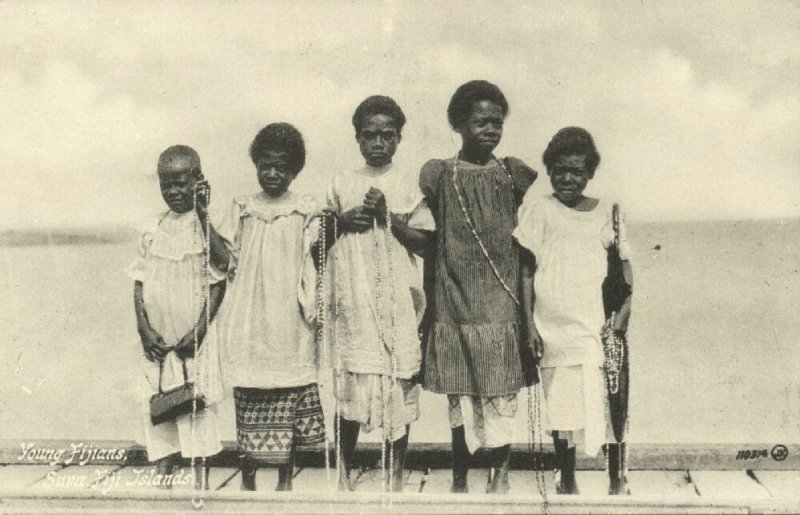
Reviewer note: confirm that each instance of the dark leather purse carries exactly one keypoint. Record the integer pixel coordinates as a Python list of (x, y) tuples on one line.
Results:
[(184, 399)]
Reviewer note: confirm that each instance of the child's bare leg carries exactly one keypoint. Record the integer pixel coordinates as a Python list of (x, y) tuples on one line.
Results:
[(399, 465), (164, 468), (498, 469), (249, 468), (565, 457), (201, 474), (461, 458), (348, 437), (286, 474)]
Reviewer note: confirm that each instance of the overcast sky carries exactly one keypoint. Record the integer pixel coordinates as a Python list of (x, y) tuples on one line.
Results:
[(695, 106)]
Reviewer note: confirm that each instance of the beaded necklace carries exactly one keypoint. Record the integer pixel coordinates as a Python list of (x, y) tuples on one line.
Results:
[(321, 340), (472, 226), (387, 406), (205, 302)]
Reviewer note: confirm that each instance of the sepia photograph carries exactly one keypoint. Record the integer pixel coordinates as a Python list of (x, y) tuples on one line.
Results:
[(351, 256)]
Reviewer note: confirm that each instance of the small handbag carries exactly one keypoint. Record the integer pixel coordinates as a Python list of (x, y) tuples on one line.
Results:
[(167, 405)]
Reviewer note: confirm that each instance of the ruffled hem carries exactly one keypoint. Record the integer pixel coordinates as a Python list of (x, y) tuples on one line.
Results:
[(478, 360)]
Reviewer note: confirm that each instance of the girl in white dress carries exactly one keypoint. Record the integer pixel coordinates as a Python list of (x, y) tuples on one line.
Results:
[(377, 288), (268, 348), (170, 311), (569, 235)]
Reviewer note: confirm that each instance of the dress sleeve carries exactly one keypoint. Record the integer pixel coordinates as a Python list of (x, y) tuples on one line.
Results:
[(136, 269), (230, 229), (430, 180), (332, 196), (530, 223), (421, 217), (522, 175), (625, 251)]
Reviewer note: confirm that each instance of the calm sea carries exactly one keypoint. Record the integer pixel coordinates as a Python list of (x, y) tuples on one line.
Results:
[(715, 338)]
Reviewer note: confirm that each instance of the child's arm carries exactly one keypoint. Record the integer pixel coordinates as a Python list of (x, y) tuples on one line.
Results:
[(185, 347), (415, 240), (218, 251), (528, 266), (153, 344)]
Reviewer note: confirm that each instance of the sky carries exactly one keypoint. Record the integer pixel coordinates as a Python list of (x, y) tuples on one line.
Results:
[(694, 106)]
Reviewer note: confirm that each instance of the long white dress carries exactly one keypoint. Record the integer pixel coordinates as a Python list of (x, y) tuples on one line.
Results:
[(169, 265), (571, 262), (266, 321)]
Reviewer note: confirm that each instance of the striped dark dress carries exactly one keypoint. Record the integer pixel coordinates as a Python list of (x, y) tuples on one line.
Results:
[(472, 343)]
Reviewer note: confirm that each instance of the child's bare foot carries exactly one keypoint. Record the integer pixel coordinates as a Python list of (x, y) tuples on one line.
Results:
[(285, 475), (248, 476), (346, 483), (201, 476), (498, 482), (164, 473)]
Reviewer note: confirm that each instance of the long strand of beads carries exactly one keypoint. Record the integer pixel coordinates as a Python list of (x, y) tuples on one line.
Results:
[(196, 502), (614, 353), (321, 341), (474, 232), (392, 338), (540, 478), (336, 365), (381, 342)]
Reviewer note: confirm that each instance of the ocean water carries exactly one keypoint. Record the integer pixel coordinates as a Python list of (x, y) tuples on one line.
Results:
[(715, 339)]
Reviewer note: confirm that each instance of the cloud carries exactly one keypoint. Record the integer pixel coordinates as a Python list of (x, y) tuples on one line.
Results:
[(694, 107)]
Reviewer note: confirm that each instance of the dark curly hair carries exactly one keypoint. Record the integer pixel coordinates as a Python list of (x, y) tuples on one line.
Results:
[(280, 137), (180, 153), (378, 104), (572, 141), (461, 103)]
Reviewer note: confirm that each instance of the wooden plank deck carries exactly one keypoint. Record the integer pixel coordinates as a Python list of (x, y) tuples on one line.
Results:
[(101, 488)]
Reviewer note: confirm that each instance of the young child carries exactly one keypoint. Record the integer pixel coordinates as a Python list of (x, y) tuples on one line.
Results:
[(377, 288), (268, 345), (569, 235), (472, 352), (169, 306)]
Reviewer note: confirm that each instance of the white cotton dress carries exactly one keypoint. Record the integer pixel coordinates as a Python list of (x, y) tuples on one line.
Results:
[(267, 318), (374, 280), (571, 262), (169, 265)]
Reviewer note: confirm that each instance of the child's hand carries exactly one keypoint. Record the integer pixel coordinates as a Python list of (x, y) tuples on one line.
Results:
[(153, 344), (375, 205), (185, 347), (535, 340), (355, 220)]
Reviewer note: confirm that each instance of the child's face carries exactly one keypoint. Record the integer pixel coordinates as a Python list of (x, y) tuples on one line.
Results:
[(569, 176), (378, 140), (482, 131), (177, 186), (274, 172)]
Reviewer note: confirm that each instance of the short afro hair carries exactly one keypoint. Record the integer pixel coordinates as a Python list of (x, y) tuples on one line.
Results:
[(378, 104), (572, 141), (178, 154), (280, 137), (462, 101)]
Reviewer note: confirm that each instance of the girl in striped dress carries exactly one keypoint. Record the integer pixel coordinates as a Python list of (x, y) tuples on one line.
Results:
[(472, 351)]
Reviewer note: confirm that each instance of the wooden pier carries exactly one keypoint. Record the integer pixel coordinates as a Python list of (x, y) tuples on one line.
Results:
[(663, 479)]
